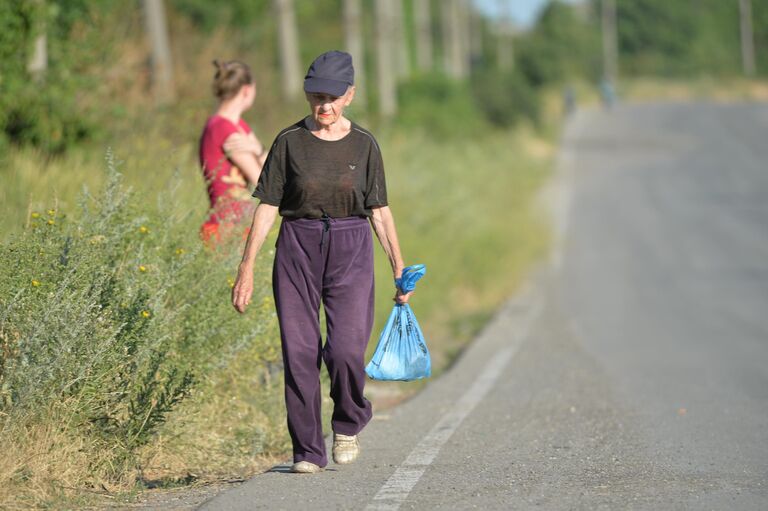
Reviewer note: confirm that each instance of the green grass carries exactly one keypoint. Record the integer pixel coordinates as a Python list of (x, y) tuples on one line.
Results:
[(465, 210), (87, 407)]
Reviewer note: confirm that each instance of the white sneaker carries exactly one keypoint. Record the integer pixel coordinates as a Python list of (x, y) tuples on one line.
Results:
[(345, 448), (305, 467)]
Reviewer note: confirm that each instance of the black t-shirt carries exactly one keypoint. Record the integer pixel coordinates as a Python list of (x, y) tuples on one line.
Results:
[(307, 177)]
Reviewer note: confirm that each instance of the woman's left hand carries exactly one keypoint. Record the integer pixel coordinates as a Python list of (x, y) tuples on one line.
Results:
[(401, 297), (243, 288)]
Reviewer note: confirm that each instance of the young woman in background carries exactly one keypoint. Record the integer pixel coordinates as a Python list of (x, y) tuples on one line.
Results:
[(231, 156)]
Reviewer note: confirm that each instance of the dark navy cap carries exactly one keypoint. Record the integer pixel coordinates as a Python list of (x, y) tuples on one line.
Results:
[(330, 73)]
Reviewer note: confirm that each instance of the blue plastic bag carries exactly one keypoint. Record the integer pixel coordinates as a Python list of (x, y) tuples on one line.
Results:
[(402, 353), (409, 277)]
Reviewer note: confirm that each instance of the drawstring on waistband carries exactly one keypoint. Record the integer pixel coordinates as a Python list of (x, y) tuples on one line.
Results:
[(326, 227)]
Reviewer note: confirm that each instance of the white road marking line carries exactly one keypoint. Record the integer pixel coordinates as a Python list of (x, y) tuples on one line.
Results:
[(560, 194), (397, 488)]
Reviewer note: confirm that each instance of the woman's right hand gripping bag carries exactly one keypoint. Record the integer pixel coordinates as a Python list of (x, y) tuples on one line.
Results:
[(402, 353)]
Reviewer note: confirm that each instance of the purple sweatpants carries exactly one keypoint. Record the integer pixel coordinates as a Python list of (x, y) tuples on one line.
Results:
[(328, 260)]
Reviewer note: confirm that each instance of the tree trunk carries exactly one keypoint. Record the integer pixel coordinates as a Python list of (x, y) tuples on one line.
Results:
[(288, 48), (446, 32), (747, 38), (384, 59), (38, 64), (162, 65), (423, 21), (475, 36), (464, 23), (399, 40), (504, 48), (610, 41), (454, 43), (353, 42)]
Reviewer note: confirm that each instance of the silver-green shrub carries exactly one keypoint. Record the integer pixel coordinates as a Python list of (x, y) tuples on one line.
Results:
[(114, 313)]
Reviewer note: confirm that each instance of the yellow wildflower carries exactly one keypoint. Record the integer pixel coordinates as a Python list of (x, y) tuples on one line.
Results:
[(143, 229), (35, 215), (51, 221), (51, 212), (142, 268), (231, 281), (145, 314), (180, 251), (35, 283)]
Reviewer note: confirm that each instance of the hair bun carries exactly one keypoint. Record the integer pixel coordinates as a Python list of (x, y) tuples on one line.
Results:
[(230, 77)]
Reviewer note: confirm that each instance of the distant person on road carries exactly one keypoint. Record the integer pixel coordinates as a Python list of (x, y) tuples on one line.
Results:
[(231, 156), (607, 93), (325, 176), (569, 100)]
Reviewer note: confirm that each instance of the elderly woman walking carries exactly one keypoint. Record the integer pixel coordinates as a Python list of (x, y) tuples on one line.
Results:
[(325, 176)]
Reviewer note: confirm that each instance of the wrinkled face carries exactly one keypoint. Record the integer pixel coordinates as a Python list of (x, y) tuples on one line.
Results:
[(327, 109)]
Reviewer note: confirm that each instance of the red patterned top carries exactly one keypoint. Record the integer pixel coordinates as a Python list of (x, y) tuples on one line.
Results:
[(227, 186)]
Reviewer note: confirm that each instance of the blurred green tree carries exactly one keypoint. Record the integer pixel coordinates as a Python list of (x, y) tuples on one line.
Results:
[(692, 37), (563, 45), (44, 111)]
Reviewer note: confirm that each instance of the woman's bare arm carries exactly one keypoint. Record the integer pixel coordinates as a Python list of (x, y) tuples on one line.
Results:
[(263, 219), (242, 150), (384, 226)]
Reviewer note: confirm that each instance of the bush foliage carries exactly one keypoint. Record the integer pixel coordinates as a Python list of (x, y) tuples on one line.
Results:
[(118, 312), (439, 106), (56, 112), (505, 98)]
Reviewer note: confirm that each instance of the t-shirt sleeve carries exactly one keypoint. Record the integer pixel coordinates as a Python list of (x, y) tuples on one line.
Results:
[(269, 189), (212, 143), (376, 186)]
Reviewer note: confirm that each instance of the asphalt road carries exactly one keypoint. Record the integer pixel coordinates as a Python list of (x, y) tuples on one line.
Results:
[(631, 373)]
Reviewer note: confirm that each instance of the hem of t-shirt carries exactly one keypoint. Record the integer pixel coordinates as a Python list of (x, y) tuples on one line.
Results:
[(285, 214), (376, 205)]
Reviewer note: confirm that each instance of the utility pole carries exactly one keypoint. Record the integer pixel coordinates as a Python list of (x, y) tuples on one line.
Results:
[(610, 41), (384, 59), (288, 45), (353, 41), (399, 40), (464, 25), (475, 36), (454, 39), (162, 66), (423, 22), (747, 38), (504, 49)]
